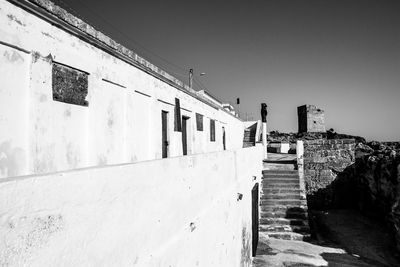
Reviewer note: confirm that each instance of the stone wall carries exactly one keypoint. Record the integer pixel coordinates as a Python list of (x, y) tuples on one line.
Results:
[(141, 214), (310, 119), (325, 164), (377, 181)]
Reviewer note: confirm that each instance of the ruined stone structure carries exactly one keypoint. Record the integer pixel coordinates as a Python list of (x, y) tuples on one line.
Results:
[(310, 119)]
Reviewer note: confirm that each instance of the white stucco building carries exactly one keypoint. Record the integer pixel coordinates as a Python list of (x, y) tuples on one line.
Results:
[(44, 50), (107, 160)]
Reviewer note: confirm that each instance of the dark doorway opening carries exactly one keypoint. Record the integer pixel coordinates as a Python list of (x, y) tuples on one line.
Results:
[(184, 134), (164, 133), (255, 217)]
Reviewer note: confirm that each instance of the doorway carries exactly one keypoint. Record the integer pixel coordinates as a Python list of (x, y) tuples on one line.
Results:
[(185, 135), (164, 133), (254, 217)]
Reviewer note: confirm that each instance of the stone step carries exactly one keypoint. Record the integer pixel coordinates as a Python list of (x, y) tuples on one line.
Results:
[(280, 186), (278, 191), (281, 172), (279, 167), (283, 221), (280, 161), (277, 180), (284, 228), (281, 208), (280, 176), (280, 196), (284, 214), (280, 180), (247, 144), (283, 202), (288, 236)]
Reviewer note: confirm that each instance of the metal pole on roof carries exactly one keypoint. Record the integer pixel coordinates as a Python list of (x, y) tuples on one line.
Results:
[(191, 78)]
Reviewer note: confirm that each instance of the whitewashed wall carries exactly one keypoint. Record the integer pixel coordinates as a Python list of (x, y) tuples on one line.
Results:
[(39, 135), (138, 214)]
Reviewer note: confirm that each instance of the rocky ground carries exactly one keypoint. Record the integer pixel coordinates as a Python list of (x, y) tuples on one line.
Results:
[(343, 238)]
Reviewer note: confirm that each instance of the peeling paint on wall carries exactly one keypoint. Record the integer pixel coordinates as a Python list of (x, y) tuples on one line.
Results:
[(44, 161), (110, 117), (12, 159), (26, 235), (13, 56), (72, 156), (14, 18)]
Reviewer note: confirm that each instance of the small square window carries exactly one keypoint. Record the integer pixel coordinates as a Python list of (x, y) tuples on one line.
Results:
[(69, 85)]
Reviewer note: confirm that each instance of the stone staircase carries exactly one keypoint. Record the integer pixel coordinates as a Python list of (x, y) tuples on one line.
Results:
[(283, 210), (249, 138)]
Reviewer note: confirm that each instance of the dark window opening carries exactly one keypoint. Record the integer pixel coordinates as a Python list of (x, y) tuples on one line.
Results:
[(69, 85), (199, 122), (212, 130), (177, 121)]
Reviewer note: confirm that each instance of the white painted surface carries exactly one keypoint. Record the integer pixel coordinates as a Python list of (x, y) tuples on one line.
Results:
[(300, 166), (142, 214), (120, 125), (14, 104), (258, 131), (284, 147), (264, 139)]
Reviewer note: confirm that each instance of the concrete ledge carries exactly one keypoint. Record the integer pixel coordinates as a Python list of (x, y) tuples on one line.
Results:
[(167, 212)]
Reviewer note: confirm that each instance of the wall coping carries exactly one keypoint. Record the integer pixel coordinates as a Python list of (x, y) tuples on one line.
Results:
[(329, 141), (61, 18), (122, 165)]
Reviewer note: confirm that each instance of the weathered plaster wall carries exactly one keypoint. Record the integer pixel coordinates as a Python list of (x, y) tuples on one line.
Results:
[(141, 214), (122, 123), (323, 160), (14, 75)]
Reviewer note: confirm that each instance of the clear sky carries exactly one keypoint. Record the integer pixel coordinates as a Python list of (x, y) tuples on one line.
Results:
[(340, 55)]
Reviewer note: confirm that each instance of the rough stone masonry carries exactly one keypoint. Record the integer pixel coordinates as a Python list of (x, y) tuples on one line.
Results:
[(323, 161), (311, 119)]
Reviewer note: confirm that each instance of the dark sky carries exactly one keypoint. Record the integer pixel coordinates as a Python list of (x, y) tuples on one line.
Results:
[(341, 55)]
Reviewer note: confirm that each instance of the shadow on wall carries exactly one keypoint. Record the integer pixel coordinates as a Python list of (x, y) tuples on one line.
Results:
[(371, 185), (342, 192)]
